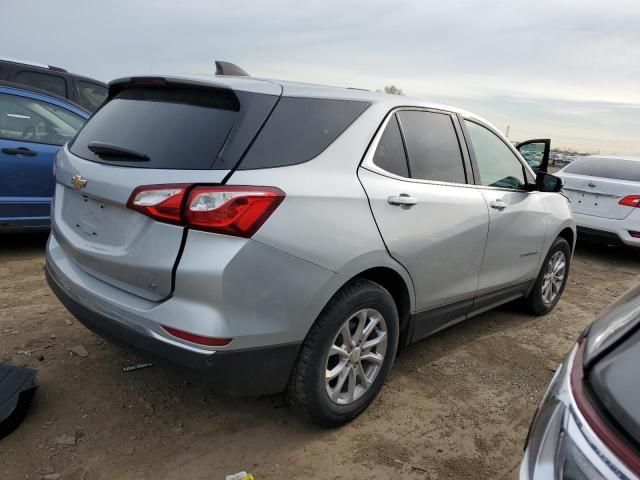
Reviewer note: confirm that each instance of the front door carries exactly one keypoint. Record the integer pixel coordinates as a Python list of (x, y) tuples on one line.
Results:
[(517, 217), (431, 220), (31, 131)]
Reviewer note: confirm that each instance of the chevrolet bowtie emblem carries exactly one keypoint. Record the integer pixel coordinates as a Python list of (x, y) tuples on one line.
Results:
[(78, 182)]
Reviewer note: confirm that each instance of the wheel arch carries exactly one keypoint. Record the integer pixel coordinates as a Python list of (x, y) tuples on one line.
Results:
[(569, 235), (396, 285)]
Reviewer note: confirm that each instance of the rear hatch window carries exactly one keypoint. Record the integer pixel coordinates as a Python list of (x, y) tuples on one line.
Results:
[(174, 128), (614, 168)]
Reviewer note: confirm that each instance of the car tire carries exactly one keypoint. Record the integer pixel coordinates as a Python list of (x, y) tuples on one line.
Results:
[(541, 300), (315, 388)]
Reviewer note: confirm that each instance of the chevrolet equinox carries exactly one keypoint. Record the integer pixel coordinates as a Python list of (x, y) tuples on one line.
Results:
[(280, 236)]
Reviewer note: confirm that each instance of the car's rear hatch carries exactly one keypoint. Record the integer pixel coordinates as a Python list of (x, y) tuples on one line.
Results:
[(596, 186), (150, 131)]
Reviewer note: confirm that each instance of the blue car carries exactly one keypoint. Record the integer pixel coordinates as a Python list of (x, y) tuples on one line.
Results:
[(33, 126)]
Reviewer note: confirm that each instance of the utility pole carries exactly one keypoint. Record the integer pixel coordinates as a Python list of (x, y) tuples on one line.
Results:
[(507, 133)]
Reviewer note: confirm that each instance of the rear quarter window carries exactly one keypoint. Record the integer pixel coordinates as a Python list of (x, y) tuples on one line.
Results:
[(43, 81), (299, 129), (613, 168)]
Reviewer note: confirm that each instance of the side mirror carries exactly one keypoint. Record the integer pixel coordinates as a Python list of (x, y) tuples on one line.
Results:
[(545, 182)]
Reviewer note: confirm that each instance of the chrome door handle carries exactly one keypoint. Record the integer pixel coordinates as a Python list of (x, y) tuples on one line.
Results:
[(402, 199), (498, 205)]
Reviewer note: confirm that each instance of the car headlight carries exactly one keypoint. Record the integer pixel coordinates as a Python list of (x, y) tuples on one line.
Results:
[(571, 464)]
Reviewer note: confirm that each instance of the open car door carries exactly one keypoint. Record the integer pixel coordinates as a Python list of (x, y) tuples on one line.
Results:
[(536, 153)]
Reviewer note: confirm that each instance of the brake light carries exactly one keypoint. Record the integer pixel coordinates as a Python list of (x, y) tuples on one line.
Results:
[(238, 211), (199, 339), (630, 201), (160, 202), (229, 210)]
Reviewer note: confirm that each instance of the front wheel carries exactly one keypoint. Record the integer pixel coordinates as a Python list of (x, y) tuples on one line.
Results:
[(347, 354), (551, 280)]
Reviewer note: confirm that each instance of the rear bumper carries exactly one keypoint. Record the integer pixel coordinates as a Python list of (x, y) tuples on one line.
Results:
[(252, 371), (607, 230)]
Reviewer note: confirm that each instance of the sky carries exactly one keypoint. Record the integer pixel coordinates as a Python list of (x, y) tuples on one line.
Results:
[(564, 69)]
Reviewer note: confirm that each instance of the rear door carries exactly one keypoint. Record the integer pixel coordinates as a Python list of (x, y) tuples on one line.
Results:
[(31, 131), (597, 186), (517, 217), (186, 133), (431, 220)]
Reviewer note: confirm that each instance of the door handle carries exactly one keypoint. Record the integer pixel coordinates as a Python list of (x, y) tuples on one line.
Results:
[(498, 205), (402, 199), (19, 151)]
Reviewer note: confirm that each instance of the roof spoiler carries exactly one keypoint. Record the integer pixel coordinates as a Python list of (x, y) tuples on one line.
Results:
[(230, 69)]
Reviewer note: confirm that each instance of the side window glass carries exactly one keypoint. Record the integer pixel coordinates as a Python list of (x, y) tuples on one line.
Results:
[(432, 146), (497, 165), (31, 120), (390, 155), (43, 81), (91, 95), (533, 153)]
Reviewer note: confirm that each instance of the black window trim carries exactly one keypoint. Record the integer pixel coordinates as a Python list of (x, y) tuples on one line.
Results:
[(367, 161), (529, 178)]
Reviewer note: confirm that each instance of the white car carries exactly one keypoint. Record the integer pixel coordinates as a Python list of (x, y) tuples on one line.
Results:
[(605, 195)]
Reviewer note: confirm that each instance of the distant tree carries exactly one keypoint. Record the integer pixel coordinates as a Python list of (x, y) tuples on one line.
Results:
[(393, 90)]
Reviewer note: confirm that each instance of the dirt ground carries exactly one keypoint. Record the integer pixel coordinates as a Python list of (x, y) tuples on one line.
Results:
[(457, 405)]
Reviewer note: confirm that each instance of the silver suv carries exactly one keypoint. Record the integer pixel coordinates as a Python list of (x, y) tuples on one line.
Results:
[(272, 235)]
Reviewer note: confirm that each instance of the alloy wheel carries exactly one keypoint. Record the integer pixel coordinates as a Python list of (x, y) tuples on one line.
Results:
[(553, 277), (356, 356)]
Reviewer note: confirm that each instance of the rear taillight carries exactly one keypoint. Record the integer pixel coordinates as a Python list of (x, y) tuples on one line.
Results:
[(238, 211), (229, 210), (630, 201), (160, 202)]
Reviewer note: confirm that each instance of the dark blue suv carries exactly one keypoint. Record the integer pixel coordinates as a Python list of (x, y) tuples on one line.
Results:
[(33, 125)]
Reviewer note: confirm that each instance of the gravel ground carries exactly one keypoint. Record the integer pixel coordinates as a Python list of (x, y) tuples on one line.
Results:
[(457, 405)]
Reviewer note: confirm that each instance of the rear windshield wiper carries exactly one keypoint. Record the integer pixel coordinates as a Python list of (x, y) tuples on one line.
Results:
[(110, 150)]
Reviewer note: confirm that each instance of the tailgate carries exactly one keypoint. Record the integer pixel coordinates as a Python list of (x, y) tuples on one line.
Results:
[(599, 197), (109, 241), (158, 133)]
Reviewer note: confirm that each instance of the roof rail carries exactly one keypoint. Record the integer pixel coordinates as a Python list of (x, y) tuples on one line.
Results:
[(228, 68), (33, 64), (24, 62), (57, 69)]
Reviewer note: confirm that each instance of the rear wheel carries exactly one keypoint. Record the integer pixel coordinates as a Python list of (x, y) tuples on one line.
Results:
[(347, 354), (551, 280)]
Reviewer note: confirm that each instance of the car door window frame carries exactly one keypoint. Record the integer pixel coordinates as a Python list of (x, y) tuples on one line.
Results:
[(529, 176), (367, 161)]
